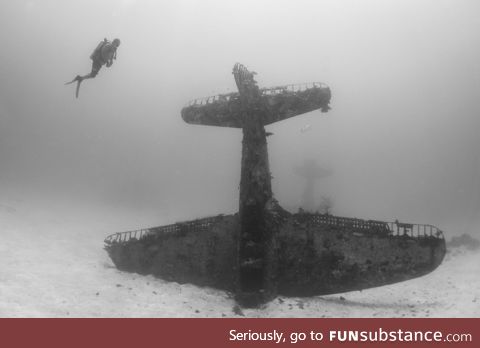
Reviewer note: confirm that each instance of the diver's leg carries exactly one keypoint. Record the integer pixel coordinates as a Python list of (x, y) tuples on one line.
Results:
[(95, 69), (96, 66), (88, 76)]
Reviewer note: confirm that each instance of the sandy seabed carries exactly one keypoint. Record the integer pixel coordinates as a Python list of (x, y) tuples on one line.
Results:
[(53, 265)]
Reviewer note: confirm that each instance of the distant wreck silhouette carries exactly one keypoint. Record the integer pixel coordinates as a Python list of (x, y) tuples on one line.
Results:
[(311, 172), (264, 250)]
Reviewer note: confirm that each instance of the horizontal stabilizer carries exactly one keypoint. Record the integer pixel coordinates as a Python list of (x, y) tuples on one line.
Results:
[(280, 103)]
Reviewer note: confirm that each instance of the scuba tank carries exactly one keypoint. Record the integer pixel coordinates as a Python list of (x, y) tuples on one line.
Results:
[(97, 53)]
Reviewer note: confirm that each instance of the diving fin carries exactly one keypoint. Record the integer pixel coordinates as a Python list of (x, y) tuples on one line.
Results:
[(78, 88), (77, 78)]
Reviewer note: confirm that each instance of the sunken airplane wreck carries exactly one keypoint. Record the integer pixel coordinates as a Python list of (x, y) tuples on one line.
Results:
[(263, 250)]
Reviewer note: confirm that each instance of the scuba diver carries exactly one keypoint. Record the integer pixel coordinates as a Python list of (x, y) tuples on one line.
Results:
[(104, 54)]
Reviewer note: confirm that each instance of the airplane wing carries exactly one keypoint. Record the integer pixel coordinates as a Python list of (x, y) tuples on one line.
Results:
[(318, 254)]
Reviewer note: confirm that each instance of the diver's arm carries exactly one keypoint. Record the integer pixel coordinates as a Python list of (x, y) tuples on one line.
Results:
[(108, 54)]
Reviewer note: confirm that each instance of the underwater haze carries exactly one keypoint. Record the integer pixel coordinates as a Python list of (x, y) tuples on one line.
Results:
[(401, 140)]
